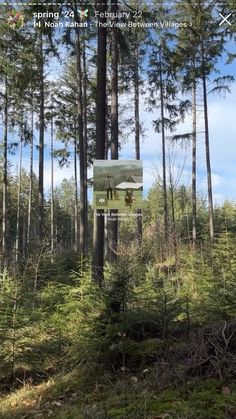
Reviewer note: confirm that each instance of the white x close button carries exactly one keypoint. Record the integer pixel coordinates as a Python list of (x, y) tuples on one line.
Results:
[(225, 19)]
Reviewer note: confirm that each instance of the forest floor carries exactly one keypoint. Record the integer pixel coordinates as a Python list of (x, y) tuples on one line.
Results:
[(87, 393), (75, 359)]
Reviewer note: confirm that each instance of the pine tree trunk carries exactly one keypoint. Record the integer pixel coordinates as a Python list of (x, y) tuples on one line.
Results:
[(165, 206), (172, 200), (41, 143), (30, 184), (194, 166), (137, 132), (207, 147), (52, 196), (13, 339), (76, 198), (85, 145), (81, 147), (5, 181), (106, 244), (18, 203), (113, 219), (98, 233), (72, 242), (24, 231), (136, 104)]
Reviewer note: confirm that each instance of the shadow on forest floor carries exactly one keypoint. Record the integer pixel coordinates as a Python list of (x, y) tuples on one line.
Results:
[(87, 392)]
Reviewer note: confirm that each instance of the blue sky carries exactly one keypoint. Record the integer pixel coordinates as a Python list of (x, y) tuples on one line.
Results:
[(222, 125)]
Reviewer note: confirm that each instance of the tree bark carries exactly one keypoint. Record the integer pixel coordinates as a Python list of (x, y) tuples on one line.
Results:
[(52, 194), (41, 143), (24, 232), (194, 166), (76, 198), (85, 144), (18, 203), (98, 233), (5, 181), (207, 147), (172, 200), (137, 132), (136, 104), (81, 146), (165, 206), (30, 184), (113, 219)]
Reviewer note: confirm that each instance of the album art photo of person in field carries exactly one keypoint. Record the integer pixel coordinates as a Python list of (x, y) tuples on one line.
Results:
[(118, 184)]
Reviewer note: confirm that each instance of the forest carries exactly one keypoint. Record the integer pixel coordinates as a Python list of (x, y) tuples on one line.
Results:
[(106, 313)]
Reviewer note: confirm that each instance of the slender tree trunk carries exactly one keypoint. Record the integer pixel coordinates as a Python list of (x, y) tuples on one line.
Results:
[(85, 145), (136, 104), (82, 231), (106, 244), (41, 143), (72, 223), (76, 198), (30, 184), (172, 199), (113, 219), (207, 147), (13, 340), (137, 132), (5, 181), (24, 231), (98, 233), (18, 203), (165, 206), (114, 88), (52, 195), (194, 166)]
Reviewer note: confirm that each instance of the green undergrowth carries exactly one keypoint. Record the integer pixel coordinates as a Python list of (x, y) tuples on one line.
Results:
[(88, 392), (148, 344)]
